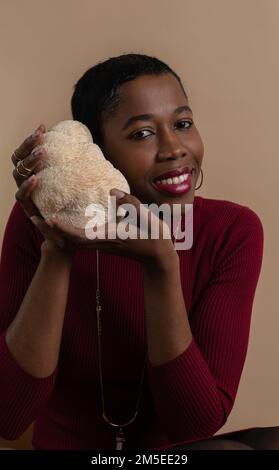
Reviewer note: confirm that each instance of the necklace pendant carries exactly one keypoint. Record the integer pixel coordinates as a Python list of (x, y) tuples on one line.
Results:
[(120, 439)]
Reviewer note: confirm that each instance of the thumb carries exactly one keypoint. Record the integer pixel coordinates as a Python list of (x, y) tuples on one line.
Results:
[(125, 199), (117, 193)]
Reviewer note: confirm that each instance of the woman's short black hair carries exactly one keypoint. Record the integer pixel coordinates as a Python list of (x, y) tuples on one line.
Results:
[(97, 92)]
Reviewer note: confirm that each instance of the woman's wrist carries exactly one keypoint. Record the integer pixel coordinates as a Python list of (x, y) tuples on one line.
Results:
[(164, 265), (51, 250)]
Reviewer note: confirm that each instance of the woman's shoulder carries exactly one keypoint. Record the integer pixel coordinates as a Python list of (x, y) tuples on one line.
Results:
[(224, 224), (20, 231), (228, 233), (225, 212)]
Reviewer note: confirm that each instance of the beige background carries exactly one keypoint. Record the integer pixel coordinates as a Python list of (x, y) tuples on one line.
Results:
[(226, 52)]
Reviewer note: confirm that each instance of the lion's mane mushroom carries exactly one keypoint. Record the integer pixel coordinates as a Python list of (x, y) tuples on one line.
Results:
[(74, 174)]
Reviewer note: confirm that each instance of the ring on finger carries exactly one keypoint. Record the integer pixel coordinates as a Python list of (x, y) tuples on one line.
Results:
[(24, 167), (15, 156), (20, 166)]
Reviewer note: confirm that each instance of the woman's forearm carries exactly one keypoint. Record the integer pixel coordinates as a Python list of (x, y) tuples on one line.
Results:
[(168, 329), (34, 336)]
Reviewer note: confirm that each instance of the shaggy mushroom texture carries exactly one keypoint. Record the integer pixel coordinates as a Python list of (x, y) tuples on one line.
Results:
[(74, 175)]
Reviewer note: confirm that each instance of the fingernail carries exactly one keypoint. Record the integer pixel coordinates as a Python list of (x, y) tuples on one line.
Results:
[(117, 193), (36, 153), (35, 134)]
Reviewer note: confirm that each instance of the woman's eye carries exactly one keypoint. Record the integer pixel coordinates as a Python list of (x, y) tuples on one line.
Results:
[(188, 124), (140, 134)]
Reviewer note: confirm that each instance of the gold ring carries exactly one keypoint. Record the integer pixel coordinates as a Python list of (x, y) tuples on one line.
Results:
[(24, 167), (16, 157), (20, 164)]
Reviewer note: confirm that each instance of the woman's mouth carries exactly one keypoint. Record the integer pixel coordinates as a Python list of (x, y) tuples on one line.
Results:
[(176, 185)]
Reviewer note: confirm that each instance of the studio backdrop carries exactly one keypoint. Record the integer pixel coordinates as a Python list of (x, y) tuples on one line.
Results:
[(226, 53)]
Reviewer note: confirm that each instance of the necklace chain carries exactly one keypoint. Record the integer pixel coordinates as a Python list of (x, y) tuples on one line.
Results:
[(120, 437)]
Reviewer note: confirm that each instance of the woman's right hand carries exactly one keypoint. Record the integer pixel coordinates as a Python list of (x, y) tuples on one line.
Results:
[(26, 180)]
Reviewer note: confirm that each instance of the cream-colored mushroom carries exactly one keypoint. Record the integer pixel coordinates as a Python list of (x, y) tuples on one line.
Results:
[(75, 174)]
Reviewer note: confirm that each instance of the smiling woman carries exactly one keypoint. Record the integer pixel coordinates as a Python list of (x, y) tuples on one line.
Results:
[(161, 363), (146, 116), (168, 132)]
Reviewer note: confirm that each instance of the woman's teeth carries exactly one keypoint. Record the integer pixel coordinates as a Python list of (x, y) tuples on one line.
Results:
[(175, 180)]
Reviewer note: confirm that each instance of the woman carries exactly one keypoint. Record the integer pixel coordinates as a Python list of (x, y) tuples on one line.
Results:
[(165, 368)]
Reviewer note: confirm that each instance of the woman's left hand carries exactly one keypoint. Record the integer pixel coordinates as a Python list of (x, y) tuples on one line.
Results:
[(151, 252)]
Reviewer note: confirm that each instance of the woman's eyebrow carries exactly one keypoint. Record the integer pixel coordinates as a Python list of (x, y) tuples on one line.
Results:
[(147, 117)]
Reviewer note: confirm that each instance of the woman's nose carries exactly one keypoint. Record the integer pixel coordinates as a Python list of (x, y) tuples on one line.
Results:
[(170, 148)]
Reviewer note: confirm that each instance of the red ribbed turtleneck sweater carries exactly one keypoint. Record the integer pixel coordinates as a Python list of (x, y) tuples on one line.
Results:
[(186, 399)]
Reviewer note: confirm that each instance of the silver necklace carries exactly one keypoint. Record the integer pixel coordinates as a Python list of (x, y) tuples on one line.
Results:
[(120, 436)]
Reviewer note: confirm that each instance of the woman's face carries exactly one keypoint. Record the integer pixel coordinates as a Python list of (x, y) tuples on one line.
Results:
[(162, 140)]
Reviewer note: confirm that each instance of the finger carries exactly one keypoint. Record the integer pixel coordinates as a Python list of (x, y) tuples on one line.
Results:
[(27, 146), (83, 236), (33, 163), (125, 198), (66, 229), (73, 234), (18, 178), (143, 218), (23, 196)]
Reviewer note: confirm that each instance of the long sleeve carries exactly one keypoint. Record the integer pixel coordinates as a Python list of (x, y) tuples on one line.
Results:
[(194, 393), (188, 398), (22, 396)]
